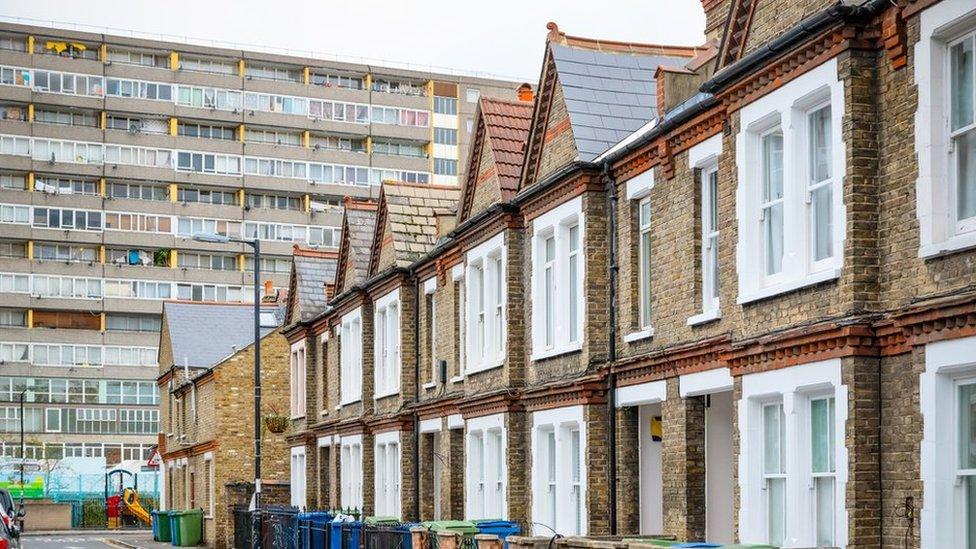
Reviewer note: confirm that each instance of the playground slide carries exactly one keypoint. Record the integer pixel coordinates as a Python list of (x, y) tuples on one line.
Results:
[(131, 501)]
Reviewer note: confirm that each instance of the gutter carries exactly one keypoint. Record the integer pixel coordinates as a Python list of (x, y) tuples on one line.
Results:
[(612, 343), (801, 31)]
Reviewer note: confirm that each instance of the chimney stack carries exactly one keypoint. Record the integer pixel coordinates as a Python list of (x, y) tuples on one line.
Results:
[(525, 93)]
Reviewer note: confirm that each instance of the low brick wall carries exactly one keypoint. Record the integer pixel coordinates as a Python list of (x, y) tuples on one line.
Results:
[(46, 515)]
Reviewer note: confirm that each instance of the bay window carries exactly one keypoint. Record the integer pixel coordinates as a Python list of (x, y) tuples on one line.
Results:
[(644, 261), (387, 474), (386, 341), (774, 472), (351, 358), (486, 472), (351, 472), (791, 168), (486, 304), (559, 473), (297, 384), (557, 280), (793, 462)]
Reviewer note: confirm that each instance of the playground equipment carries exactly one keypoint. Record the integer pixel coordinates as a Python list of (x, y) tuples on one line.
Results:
[(119, 497)]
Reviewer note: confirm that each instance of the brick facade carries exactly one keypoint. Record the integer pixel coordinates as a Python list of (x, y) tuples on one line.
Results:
[(872, 319)]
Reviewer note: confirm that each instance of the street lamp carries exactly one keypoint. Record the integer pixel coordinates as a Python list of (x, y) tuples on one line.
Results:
[(255, 244), (23, 451)]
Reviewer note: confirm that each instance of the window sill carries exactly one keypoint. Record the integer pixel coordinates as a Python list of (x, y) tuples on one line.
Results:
[(705, 317), (430, 385), (789, 286), (478, 369), (956, 243), (549, 353), (351, 402), (294, 418), (323, 413), (457, 379), (646, 333), (381, 396)]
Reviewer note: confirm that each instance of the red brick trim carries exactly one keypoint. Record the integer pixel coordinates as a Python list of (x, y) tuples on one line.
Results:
[(387, 284), (189, 451), (490, 404), (432, 409), (352, 426), (560, 192), (685, 359), (894, 37), (581, 391), (302, 438), (385, 424), (801, 346), (939, 319)]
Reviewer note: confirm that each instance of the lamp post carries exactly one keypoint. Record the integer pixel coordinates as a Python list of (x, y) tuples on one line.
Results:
[(23, 447), (255, 244)]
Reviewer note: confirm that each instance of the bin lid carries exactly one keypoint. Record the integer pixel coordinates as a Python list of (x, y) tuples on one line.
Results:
[(697, 545), (494, 523), (461, 526), (381, 520)]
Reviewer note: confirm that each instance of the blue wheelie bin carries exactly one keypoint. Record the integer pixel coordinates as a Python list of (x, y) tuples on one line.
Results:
[(311, 529), (174, 528), (345, 535), (500, 528)]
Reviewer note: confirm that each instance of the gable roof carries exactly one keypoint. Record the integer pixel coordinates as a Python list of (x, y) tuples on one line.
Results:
[(358, 225), (311, 272), (203, 334), (608, 88), (502, 127), (409, 211)]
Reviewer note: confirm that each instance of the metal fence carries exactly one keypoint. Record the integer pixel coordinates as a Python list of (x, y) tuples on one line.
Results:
[(385, 536), (278, 527)]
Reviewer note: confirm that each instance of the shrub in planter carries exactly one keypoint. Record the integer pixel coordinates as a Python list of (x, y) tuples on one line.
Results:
[(276, 423)]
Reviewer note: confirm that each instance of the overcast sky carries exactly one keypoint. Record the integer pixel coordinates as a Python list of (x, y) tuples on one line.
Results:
[(501, 37)]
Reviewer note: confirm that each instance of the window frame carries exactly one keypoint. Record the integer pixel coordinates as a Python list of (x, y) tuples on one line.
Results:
[(387, 336)]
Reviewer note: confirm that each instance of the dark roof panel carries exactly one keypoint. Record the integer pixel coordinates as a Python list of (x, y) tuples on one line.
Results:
[(202, 335)]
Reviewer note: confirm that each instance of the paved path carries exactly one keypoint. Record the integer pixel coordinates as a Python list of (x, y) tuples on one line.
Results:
[(99, 540)]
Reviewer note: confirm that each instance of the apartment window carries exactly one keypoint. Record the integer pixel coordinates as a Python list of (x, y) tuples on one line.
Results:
[(297, 383), (138, 191), (298, 474), (187, 227), (137, 125), (139, 156), (339, 111), (794, 223), (402, 117), (13, 250), (138, 421), (13, 43), (272, 137), (205, 131), (273, 201), (338, 174), (557, 278), (270, 72), (211, 293), (10, 213), (393, 86), (386, 327), (445, 166), (337, 143), (269, 264), (20, 146), (52, 150), (379, 175), (209, 98), (387, 474), (132, 323), (276, 103), (399, 148), (351, 358), (59, 185), (202, 64), (13, 182), (486, 468), (64, 252), (445, 105), (138, 289), (69, 84), (141, 90), (209, 262), (221, 164), (486, 305), (337, 81), (445, 136), (130, 356), (132, 57), (206, 196), (774, 471), (14, 352), (66, 286), (15, 76), (275, 168), (559, 475), (142, 223), (13, 318), (65, 118)]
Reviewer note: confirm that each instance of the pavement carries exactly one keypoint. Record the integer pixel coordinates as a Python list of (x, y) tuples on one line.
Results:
[(81, 539)]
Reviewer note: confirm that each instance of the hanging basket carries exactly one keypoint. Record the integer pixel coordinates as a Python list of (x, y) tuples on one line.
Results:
[(276, 423)]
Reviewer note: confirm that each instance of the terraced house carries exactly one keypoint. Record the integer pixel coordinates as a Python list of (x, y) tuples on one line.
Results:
[(722, 292), (115, 151)]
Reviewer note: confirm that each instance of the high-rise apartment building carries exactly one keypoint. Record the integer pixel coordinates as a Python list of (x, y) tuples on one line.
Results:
[(114, 151)]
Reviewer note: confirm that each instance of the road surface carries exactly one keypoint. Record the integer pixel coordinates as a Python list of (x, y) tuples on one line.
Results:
[(81, 540)]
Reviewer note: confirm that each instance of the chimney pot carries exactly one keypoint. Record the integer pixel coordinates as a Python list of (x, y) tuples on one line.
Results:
[(525, 93)]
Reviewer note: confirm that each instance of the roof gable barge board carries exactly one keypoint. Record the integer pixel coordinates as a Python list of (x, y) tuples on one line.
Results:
[(606, 89), (358, 224), (311, 272)]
